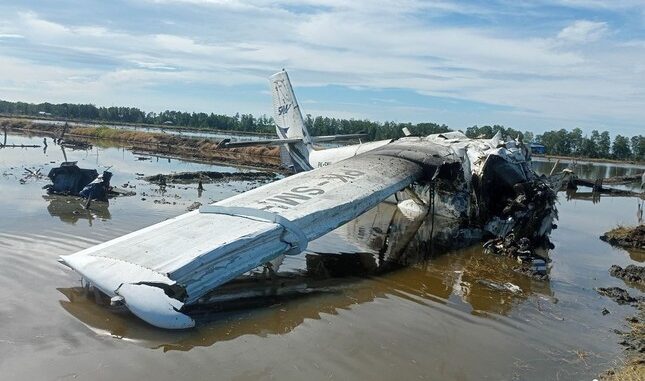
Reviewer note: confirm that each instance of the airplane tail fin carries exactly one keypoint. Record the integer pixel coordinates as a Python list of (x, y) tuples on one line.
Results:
[(289, 123)]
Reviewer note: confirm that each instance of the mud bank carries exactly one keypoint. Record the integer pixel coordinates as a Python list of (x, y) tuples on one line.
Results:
[(631, 274), (620, 295), (626, 237), (633, 342), (154, 142), (209, 177)]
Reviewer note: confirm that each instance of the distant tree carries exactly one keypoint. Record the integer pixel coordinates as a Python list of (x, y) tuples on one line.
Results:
[(588, 148), (575, 141), (595, 140), (638, 147), (620, 149), (604, 144)]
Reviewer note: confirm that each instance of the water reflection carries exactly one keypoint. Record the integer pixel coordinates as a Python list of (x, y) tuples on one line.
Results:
[(381, 254), (590, 171), (71, 209)]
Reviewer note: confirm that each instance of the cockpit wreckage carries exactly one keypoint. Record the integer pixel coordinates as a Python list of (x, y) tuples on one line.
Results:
[(161, 271)]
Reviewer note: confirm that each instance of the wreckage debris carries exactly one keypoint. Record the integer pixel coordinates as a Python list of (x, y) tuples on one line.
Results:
[(75, 144), (522, 250), (19, 146), (98, 189), (622, 180), (209, 177), (619, 295), (632, 273), (598, 187), (626, 237), (70, 180), (31, 174), (195, 205), (505, 287)]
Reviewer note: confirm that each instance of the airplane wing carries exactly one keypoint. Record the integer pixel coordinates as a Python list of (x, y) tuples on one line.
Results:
[(159, 269)]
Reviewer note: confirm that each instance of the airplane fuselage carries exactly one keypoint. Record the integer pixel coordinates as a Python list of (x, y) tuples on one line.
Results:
[(324, 157)]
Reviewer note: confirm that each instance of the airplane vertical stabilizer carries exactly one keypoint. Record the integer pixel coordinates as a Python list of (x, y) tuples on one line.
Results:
[(289, 122)]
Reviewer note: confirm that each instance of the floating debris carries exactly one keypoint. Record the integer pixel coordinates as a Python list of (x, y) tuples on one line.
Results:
[(70, 180), (522, 250), (598, 187), (507, 286), (31, 174), (209, 177), (75, 144), (193, 206)]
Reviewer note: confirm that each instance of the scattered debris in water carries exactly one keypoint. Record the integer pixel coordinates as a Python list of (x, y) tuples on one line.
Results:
[(70, 180), (194, 205), (209, 177), (627, 237), (598, 185), (523, 251), (29, 174), (507, 286), (75, 144)]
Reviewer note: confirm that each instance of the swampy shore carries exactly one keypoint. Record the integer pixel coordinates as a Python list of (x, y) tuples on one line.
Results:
[(178, 146)]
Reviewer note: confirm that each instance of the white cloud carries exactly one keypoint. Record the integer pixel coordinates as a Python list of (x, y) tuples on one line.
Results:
[(584, 31), (360, 44)]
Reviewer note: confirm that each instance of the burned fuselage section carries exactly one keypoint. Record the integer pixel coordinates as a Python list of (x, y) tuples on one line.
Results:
[(484, 184)]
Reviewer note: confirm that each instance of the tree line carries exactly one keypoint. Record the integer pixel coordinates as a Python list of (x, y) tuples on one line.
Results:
[(238, 122), (557, 142), (574, 143)]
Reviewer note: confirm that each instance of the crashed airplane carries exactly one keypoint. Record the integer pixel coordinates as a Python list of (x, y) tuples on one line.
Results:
[(159, 272)]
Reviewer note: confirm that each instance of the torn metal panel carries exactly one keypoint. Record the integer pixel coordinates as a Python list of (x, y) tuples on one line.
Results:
[(69, 178)]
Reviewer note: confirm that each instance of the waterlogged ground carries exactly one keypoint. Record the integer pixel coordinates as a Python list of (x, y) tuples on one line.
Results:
[(368, 317)]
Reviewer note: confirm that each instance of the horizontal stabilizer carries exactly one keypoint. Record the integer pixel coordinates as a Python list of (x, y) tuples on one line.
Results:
[(227, 143)]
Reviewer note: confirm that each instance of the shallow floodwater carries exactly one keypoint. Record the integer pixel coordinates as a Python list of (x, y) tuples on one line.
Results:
[(217, 135), (382, 300)]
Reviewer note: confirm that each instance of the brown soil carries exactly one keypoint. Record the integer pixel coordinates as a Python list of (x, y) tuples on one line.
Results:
[(209, 177), (153, 142), (634, 343), (631, 274)]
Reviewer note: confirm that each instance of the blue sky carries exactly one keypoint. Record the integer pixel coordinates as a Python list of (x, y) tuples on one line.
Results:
[(535, 65)]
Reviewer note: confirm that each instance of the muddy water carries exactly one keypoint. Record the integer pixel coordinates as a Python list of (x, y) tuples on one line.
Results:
[(217, 135), (375, 299)]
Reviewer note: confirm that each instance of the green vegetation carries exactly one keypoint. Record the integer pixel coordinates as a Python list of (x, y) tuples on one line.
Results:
[(557, 142), (574, 143)]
